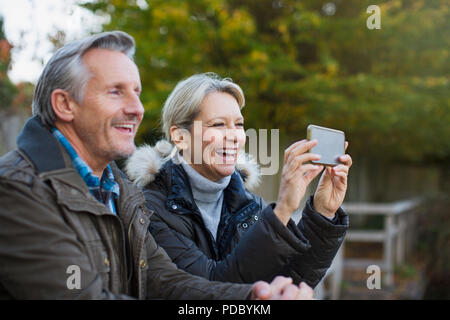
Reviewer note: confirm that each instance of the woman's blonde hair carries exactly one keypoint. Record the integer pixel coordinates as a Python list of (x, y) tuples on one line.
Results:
[(183, 103)]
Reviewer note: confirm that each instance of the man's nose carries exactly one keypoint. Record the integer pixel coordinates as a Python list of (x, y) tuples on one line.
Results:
[(134, 106)]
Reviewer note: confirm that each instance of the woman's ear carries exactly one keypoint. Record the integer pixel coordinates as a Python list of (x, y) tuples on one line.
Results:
[(180, 137), (63, 105)]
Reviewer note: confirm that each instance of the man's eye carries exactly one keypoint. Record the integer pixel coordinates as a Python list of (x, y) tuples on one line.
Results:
[(114, 92), (218, 124), (240, 124)]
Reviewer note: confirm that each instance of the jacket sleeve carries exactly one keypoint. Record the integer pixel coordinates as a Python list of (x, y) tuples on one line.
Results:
[(325, 237), (259, 255), (36, 248), (167, 281)]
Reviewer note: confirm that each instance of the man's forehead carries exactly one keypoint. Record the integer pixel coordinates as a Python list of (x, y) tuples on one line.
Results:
[(110, 64), (98, 57)]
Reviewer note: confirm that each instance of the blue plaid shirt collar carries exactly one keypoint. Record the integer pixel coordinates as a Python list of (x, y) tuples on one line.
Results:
[(96, 185)]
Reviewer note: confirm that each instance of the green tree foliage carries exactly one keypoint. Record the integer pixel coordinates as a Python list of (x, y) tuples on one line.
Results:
[(300, 63), (7, 88)]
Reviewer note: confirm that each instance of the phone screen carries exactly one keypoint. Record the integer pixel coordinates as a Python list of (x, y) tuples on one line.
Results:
[(331, 144)]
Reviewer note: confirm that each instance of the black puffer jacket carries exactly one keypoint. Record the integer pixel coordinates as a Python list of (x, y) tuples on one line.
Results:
[(252, 244)]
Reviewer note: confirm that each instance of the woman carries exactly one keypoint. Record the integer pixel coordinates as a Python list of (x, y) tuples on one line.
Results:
[(198, 185)]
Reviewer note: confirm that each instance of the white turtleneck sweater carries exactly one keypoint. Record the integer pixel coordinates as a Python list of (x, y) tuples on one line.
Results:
[(208, 195)]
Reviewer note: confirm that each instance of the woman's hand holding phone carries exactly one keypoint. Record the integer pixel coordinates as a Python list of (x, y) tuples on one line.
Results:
[(297, 174), (301, 167), (330, 192)]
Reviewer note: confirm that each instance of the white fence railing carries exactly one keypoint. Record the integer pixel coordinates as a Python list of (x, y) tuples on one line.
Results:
[(397, 237)]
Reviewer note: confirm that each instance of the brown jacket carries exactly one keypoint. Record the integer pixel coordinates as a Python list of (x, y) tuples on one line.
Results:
[(49, 221)]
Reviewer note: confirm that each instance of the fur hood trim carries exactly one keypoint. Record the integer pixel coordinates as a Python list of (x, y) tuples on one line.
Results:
[(143, 166)]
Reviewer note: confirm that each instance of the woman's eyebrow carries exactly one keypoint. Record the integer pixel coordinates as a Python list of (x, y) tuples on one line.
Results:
[(239, 118)]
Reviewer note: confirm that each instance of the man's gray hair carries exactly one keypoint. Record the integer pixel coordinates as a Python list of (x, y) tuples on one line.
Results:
[(65, 70), (183, 104)]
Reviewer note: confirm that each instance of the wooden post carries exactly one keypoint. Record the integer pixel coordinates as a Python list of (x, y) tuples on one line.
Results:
[(401, 247), (388, 246), (337, 274)]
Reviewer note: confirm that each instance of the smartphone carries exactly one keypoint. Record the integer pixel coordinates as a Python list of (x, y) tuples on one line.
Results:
[(331, 144)]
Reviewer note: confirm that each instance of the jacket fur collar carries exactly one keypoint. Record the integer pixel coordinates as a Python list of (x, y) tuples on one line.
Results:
[(146, 162)]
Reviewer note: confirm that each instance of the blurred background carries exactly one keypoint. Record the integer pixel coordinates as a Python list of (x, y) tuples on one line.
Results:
[(298, 62)]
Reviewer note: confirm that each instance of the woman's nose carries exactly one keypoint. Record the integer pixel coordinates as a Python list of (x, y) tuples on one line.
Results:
[(231, 135)]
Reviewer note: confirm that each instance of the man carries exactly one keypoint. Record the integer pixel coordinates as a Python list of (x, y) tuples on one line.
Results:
[(71, 224)]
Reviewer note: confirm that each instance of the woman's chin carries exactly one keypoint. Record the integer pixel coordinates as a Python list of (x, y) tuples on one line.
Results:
[(225, 170)]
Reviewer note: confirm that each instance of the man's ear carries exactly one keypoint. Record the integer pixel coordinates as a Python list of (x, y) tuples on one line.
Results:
[(180, 137), (63, 105)]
